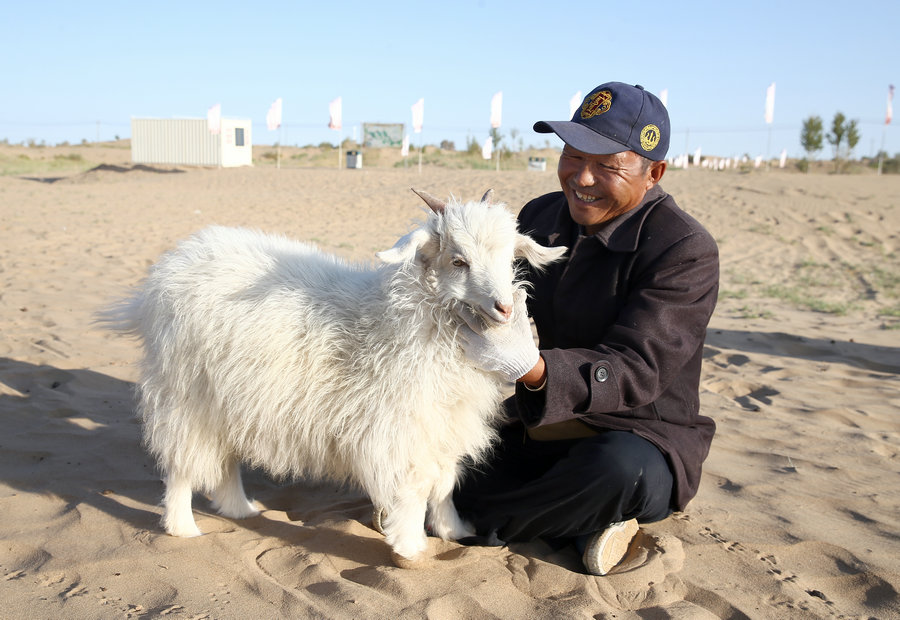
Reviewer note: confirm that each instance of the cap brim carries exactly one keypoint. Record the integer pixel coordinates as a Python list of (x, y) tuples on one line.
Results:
[(580, 137)]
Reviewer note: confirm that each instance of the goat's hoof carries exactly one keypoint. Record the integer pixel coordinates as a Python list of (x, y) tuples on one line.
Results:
[(378, 516), (461, 529), (420, 561), (244, 511), (184, 532), (410, 553)]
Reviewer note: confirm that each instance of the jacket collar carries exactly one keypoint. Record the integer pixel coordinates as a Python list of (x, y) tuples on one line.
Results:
[(620, 234)]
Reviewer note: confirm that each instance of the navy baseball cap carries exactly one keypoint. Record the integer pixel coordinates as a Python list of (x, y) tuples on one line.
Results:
[(615, 117)]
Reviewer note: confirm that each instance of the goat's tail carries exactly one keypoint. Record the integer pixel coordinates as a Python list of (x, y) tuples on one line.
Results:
[(123, 315)]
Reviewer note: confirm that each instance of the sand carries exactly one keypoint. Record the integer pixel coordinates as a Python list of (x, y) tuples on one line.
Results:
[(798, 514)]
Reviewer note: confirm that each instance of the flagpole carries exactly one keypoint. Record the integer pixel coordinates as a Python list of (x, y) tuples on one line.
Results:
[(496, 114), (770, 117), (280, 140), (888, 117), (418, 113), (335, 122)]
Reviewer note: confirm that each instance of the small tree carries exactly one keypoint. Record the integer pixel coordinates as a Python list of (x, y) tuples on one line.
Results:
[(835, 137), (497, 138), (852, 137), (843, 137), (811, 137), (513, 134)]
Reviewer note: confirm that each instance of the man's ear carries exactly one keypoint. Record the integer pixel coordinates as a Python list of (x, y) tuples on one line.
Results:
[(657, 170), (538, 255), (406, 247)]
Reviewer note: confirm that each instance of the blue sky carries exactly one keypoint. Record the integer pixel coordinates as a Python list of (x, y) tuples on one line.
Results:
[(69, 65)]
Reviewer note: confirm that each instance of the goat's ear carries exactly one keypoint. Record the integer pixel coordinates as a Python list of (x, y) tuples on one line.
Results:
[(406, 247), (538, 255)]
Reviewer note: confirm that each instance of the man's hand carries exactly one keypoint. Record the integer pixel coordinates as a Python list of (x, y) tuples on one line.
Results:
[(507, 349)]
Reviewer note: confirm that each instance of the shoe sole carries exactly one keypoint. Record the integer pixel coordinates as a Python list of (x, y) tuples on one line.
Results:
[(610, 548)]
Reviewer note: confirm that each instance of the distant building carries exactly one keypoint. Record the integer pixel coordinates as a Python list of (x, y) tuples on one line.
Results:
[(188, 142)]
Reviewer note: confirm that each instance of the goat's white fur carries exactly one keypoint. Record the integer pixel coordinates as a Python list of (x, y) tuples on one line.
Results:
[(263, 350)]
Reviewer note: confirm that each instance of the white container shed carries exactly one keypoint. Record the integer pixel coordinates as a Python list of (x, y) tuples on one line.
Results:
[(188, 141)]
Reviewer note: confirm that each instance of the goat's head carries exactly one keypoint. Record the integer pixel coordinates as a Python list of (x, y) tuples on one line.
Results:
[(471, 250)]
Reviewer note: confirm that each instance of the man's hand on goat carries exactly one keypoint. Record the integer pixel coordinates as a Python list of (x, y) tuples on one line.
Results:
[(507, 349)]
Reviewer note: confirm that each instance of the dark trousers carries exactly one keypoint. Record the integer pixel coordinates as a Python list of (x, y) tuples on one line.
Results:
[(561, 489)]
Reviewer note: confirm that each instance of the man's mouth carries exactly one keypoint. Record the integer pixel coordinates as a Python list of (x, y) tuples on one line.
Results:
[(585, 197)]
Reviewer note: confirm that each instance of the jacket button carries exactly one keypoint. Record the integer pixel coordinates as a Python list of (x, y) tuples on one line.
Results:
[(601, 374)]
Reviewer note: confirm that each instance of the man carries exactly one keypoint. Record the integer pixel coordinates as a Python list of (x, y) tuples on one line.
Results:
[(607, 429)]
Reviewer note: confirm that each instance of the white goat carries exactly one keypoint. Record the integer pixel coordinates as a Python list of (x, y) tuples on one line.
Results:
[(263, 350)]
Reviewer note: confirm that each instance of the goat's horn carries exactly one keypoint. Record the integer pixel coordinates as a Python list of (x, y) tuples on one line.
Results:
[(436, 205), (488, 196)]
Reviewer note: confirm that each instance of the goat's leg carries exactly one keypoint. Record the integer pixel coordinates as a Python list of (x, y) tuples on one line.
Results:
[(228, 497), (404, 525), (443, 519), (178, 520)]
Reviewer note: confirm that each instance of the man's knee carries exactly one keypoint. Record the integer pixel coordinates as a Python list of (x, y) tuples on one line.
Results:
[(625, 461), (621, 450)]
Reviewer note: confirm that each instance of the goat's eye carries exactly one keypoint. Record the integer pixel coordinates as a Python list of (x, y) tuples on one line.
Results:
[(458, 262)]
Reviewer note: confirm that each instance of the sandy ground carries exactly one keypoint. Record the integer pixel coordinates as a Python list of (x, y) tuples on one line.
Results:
[(798, 514)]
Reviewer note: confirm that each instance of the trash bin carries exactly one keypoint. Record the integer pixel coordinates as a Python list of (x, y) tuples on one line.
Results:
[(354, 159), (537, 163)]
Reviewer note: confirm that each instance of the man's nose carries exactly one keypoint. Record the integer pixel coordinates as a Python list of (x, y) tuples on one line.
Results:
[(585, 175)]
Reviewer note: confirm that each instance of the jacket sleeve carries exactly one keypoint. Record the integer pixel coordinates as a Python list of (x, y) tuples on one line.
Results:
[(660, 328)]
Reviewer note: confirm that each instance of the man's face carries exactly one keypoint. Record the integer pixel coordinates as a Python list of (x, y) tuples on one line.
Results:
[(601, 187)]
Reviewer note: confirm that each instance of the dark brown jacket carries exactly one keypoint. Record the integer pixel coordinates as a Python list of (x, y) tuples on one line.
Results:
[(621, 324)]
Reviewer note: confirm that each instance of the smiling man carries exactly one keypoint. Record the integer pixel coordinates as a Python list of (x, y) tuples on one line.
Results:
[(607, 431)]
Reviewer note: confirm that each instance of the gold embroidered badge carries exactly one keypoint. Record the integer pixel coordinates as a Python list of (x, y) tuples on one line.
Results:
[(598, 103), (649, 137)]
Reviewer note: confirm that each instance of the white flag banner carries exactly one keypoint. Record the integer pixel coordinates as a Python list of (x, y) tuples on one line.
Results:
[(273, 118), (697, 157), (418, 115), (770, 103), (664, 97), (574, 102), (334, 114), (783, 160), (890, 107), (214, 119), (496, 108), (404, 147), (487, 149)]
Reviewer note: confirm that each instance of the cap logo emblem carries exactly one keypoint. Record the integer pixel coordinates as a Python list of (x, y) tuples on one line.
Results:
[(596, 104), (649, 137)]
